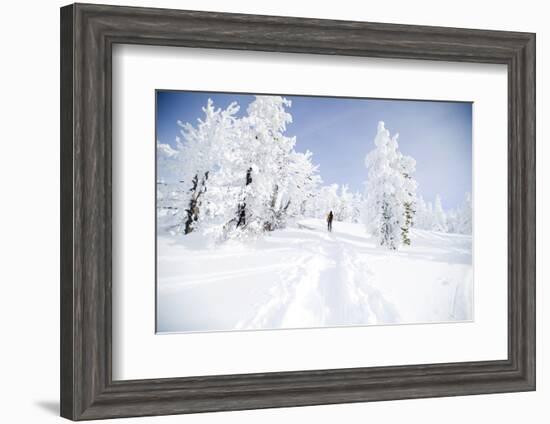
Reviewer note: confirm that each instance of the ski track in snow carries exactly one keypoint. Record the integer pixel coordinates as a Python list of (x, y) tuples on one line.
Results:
[(304, 277), (327, 288)]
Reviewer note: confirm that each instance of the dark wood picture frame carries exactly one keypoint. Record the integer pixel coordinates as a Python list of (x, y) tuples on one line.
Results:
[(88, 33)]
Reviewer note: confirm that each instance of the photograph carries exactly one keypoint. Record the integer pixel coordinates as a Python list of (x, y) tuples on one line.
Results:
[(292, 211)]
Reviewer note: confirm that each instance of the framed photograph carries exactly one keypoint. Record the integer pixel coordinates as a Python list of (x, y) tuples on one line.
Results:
[(259, 230), (264, 212)]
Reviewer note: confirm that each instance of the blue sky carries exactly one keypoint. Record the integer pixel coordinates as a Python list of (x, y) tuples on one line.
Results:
[(340, 132)]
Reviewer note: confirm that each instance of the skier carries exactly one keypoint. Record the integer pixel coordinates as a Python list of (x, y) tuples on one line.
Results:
[(330, 217)]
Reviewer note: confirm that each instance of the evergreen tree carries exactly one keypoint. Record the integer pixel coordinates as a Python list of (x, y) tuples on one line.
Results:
[(345, 210), (386, 191), (465, 215), (303, 183), (439, 217), (389, 204), (453, 221), (407, 165), (423, 216)]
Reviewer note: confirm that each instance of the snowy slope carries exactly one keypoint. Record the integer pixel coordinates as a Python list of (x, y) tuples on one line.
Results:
[(305, 277)]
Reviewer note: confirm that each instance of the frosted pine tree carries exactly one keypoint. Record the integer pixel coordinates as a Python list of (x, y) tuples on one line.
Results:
[(453, 221), (463, 216), (384, 211), (357, 207), (423, 217), (265, 152), (202, 153), (285, 178), (439, 217), (303, 181), (345, 210), (406, 165), (434, 218), (429, 216), (326, 200)]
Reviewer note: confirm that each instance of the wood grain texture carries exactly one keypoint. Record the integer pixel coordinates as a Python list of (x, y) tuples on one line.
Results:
[(88, 33), (66, 210)]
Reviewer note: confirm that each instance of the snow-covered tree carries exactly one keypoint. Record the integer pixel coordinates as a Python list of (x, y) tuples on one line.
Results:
[(303, 183), (439, 217), (459, 220), (424, 214), (465, 215), (266, 153), (331, 199), (453, 225), (357, 207), (344, 204), (344, 211), (433, 217), (256, 180), (389, 189), (201, 153), (326, 199), (407, 166)]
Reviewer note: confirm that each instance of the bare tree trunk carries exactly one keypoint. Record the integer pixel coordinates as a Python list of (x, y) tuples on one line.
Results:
[(241, 210), (270, 225), (192, 211)]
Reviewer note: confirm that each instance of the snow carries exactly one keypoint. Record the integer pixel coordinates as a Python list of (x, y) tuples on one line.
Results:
[(302, 276)]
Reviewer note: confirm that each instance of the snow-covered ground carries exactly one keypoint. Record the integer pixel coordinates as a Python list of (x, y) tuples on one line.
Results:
[(303, 276)]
